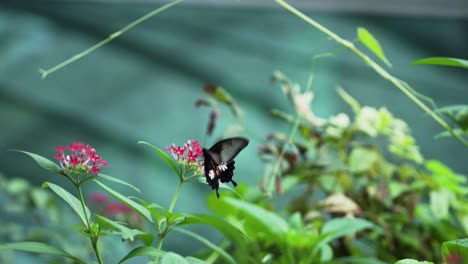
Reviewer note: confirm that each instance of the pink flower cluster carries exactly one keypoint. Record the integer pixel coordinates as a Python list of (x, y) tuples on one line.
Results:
[(190, 152), (80, 158)]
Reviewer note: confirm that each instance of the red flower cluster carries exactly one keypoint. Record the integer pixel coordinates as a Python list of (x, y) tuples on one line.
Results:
[(189, 153), (81, 158)]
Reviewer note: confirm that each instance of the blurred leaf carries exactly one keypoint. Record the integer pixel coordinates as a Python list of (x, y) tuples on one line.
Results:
[(193, 260), (135, 206), (43, 162), (357, 260), (143, 251), (218, 93), (222, 96), (165, 157), (258, 219), (455, 251), (71, 200), (173, 258), (112, 179), (353, 103), (230, 231), (445, 178), (451, 109), (205, 241), (445, 61), (397, 188), (153, 208), (372, 44), (446, 133), (440, 203), (339, 227), (362, 159), (295, 221), (38, 247), (17, 186), (126, 233), (412, 261)]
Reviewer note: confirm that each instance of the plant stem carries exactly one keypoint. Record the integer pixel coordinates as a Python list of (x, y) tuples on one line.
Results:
[(93, 237), (45, 72), (381, 71), (176, 195), (162, 235)]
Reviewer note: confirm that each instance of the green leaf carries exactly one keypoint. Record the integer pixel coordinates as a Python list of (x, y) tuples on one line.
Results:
[(446, 133), (372, 44), (143, 211), (362, 159), (455, 250), (43, 162), (353, 103), (231, 232), (38, 247), (412, 261), (165, 157), (193, 260), (259, 219), (205, 241), (357, 260), (153, 208), (112, 179), (440, 203), (143, 251), (339, 227), (444, 61), (173, 258), (126, 233), (71, 200)]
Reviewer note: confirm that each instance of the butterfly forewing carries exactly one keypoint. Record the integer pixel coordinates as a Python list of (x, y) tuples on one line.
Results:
[(226, 150)]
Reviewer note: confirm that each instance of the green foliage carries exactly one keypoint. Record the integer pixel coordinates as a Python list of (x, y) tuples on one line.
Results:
[(372, 44), (444, 61), (38, 247), (368, 167)]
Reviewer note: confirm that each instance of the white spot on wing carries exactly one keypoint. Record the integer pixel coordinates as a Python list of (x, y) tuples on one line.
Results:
[(211, 174), (222, 167)]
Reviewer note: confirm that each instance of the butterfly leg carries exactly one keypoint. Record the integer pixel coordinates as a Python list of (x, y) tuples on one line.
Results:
[(234, 183)]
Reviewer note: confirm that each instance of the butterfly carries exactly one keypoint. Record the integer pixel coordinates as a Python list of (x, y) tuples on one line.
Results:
[(219, 161)]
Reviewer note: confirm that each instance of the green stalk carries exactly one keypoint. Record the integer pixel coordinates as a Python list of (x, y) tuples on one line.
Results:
[(45, 72), (162, 235), (176, 195), (93, 237)]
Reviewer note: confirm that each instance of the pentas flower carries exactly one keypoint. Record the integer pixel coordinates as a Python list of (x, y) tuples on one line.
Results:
[(189, 153), (78, 158)]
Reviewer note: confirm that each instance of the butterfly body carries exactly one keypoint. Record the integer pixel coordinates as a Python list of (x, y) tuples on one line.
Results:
[(219, 161)]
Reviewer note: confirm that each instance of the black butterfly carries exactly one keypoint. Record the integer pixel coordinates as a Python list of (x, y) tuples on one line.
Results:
[(219, 161)]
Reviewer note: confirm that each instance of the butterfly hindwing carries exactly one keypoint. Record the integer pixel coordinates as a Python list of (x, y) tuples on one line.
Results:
[(219, 161)]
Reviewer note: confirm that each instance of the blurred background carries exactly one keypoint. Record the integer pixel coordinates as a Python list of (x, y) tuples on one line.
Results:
[(143, 85)]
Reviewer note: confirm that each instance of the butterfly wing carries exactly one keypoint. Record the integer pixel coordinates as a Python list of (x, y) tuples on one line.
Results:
[(226, 150), (219, 161)]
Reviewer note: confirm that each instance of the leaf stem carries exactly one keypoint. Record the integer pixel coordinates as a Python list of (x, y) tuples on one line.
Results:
[(176, 195), (163, 234), (45, 72), (93, 237)]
